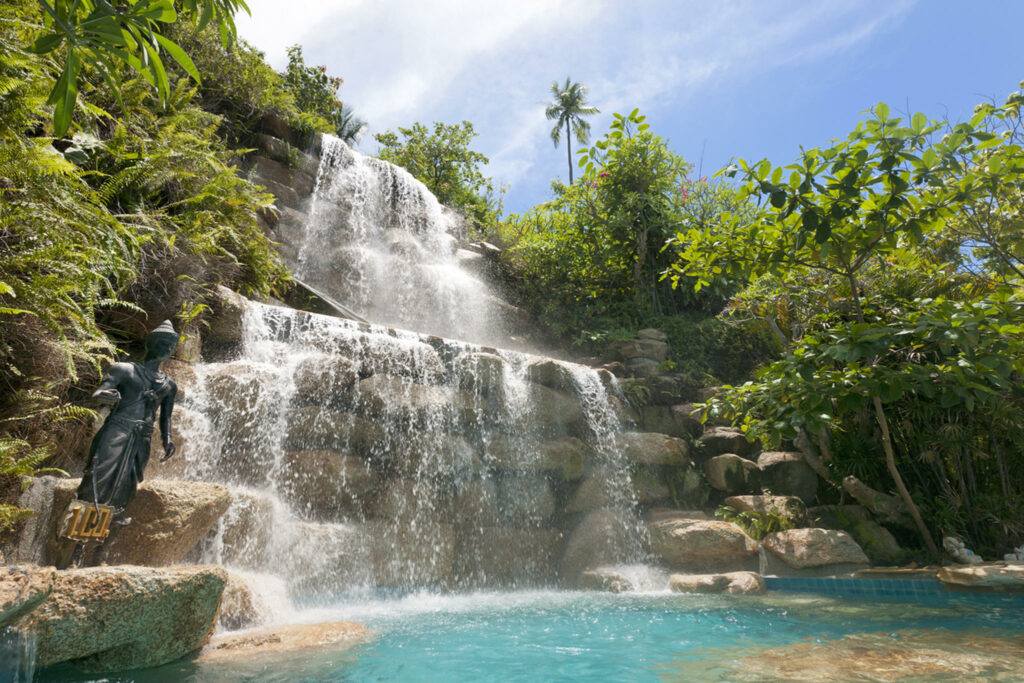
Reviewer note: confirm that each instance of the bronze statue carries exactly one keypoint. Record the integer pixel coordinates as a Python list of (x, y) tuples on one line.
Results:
[(120, 450)]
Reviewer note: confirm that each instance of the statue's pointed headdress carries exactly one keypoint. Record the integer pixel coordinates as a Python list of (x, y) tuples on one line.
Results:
[(165, 329)]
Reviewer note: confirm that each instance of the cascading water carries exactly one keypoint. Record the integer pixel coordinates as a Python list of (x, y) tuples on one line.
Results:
[(379, 241), (364, 456)]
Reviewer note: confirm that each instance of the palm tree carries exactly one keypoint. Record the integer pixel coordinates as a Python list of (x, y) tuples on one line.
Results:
[(569, 106)]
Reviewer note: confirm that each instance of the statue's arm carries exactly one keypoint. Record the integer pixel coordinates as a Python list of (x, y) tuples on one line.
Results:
[(166, 408), (107, 392)]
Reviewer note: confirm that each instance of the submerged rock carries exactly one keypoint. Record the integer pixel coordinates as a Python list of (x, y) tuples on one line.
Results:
[(731, 582), (273, 644), (121, 618)]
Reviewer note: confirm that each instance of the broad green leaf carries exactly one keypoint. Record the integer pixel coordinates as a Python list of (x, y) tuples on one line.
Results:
[(179, 56), (882, 111), (46, 43)]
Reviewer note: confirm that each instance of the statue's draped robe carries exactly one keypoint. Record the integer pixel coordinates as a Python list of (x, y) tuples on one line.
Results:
[(120, 450)]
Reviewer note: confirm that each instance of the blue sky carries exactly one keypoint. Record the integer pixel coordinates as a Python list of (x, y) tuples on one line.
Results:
[(734, 78)]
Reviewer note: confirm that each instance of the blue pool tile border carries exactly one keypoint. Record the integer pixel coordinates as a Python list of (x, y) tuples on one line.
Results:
[(875, 588)]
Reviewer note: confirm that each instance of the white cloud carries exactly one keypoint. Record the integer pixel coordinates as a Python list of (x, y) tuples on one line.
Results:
[(491, 62)]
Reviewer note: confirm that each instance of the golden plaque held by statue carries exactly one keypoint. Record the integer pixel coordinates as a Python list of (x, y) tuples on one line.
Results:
[(86, 522)]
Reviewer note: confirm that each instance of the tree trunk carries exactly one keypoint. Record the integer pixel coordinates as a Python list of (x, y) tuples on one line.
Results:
[(568, 148), (890, 463)]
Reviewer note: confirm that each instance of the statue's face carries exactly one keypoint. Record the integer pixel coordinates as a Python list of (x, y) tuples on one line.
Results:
[(162, 347)]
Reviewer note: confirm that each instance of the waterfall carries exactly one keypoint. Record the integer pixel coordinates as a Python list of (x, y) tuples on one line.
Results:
[(365, 456), (379, 241)]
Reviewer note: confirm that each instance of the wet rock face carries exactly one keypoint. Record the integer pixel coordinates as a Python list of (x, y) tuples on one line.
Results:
[(603, 537), (607, 580), (122, 618)]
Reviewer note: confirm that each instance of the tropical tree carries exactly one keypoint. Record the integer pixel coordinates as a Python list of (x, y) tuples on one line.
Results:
[(443, 161), (568, 109)]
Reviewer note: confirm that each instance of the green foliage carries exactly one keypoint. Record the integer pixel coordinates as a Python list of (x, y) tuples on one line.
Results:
[(756, 524), (897, 360), (315, 93), (590, 261), (443, 161), (568, 109), (132, 217), (98, 35)]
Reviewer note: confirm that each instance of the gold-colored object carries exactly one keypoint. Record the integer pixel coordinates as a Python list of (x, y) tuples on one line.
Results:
[(85, 522)]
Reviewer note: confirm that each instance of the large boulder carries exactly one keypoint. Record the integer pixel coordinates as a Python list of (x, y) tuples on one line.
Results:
[(787, 474), (326, 485), (732, 474), (789, 508), (490, 557), (704, 546), (641, 347), (421, 406), (731, 582), (606, 487), (22, 589), (322, 558), (552, 413), (675, 420), (475, 504), (552, 373), (603, 537), (718, 440), (878, 543), (809, 548), (228, 311), (565, 457), (428, 453), (648, 448), (168, 518), (121, 618)]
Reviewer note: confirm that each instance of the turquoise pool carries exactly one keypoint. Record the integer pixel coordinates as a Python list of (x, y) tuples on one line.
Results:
[(556, 635)]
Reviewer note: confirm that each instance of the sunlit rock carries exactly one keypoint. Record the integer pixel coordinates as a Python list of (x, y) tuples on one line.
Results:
[(326, 380), (648, 448), (696, 545), (565, 457), (251, 653), (122, 618), (731, 582), (603, 579), (808, 548)]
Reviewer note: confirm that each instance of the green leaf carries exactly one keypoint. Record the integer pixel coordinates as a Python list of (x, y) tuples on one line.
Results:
[(918, 122), (882, 111), (46, 43), (180, 57)]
